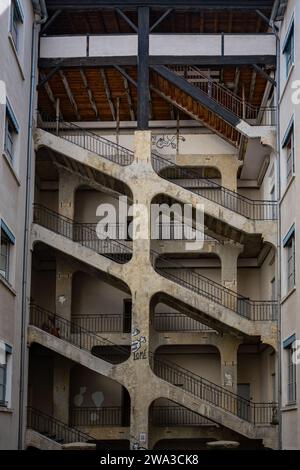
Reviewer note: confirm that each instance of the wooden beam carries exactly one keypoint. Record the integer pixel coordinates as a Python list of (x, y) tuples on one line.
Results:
[(143, 68), (47, 77), (128, 20), (192, 4), (126, 75), (50, 21), (129, 98), (108, 94), (70, 94), (203, 61), (49, 92), (90, 93), (236, 80), (198, 95), (252, 86), (264, 74), (160, 19)]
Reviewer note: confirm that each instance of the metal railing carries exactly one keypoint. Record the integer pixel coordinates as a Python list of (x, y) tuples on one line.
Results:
[(256, 310), (57, 430), (93, 416), (81, 233), (179, 231), (255, 413), (109, 323), (176, 415), (88, 140), (226, 98), (178, 322), (74, 334), (193, 181)]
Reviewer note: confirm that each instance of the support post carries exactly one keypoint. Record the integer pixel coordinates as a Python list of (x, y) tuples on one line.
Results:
[(143, 68)]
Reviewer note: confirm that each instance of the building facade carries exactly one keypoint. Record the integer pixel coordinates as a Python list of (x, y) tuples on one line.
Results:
[(124, 324)]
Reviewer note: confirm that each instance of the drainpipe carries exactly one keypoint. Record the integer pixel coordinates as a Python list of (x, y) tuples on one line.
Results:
[(28, 213), (279, 286)]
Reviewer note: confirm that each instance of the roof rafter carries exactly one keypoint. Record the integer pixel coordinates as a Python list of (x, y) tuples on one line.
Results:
[(108, 93), (90, 93), (70, 94)]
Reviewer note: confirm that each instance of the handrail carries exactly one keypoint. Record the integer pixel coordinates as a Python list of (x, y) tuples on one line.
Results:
[(171, 321), (255, 310), (177, 415), (209, 189), (57, 430), (88, 140), (108, 322), (81, 233), (71, 332), (98, 416), (222, 95), (256, 413)]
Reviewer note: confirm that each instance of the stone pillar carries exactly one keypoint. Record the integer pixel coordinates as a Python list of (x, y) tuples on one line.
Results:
[(229, 253), (229, 170), (61, 388), (67, 185), (228, 348), (64, 274), (140, 267)]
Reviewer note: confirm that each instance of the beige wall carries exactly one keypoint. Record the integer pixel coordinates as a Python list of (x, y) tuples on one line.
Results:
[(14, 85)]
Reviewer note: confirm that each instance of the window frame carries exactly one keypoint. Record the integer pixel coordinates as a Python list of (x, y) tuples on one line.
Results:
[(3, 401), (6, 272), (288, 49), (15, 22), (291, 377)]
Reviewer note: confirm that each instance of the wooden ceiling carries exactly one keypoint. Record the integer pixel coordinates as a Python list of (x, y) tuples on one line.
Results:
[(108, 21), (93, 94)]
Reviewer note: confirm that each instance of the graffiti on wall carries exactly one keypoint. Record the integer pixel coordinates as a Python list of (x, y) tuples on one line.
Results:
[(138, 348)]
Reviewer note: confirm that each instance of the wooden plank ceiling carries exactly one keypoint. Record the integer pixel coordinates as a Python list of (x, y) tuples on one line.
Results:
[(93, 94)]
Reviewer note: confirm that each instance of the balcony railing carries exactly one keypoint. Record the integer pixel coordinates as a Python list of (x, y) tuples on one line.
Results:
[(192, 180), (57, 430), (109, 323), (93, 416), (81, 233), (176, 415), (256, 413), (88, 140), (255, 310), (178, 322), (225, 97), (74, 334)]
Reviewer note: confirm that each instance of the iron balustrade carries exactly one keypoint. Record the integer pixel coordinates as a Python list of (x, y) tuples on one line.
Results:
[(57, 430), (179, 231), (88, 140), (255, 310), (110, 323), (255, 413), (81, 233), (72, 333), (226, 98), (193, 181), (178, 322), (94, 416), (176, 415)]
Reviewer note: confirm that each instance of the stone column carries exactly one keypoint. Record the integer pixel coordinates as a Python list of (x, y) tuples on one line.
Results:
[(229, 253), (64, 274), (61, 388), (228, 348), (67, 185), (140, 268)]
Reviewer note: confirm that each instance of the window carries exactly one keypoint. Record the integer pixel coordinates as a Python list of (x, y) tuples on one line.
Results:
[(6, 241), (11, 131), (291, 263), (289, 49), (288, 147), (16, 20), (4, 256), (5, 373), (291, 392)]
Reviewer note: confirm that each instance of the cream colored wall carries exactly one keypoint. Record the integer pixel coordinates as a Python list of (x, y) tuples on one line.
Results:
[(290, 214), (206, 364), (92, 383), (14, 85), (93, 296)]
